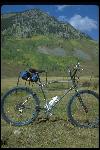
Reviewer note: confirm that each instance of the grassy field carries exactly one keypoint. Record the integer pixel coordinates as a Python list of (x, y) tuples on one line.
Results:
[(54, 133)]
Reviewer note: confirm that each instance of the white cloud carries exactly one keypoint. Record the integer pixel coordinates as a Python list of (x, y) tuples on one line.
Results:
[(83, 23), (61, 7)]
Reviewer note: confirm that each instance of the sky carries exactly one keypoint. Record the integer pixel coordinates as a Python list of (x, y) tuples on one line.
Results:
[(82, 17)]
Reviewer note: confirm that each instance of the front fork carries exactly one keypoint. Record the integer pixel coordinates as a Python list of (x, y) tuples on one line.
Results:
[(81, 102), (79, 97)]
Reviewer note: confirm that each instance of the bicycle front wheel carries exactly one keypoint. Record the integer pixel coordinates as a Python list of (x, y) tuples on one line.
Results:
[(19, 106), (83, 109)]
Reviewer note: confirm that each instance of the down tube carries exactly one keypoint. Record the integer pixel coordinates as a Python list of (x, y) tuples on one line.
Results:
[(67, 92)]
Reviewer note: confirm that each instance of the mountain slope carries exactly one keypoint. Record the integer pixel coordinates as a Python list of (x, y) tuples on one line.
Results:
[(50, 53), (32, 22), (35, 39)]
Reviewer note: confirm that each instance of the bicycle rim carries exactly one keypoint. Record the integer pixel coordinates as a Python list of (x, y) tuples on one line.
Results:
[(77, 114), (19, 107)]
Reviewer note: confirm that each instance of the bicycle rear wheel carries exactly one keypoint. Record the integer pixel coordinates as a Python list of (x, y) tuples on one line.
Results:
[(19, 106), (84, 113)]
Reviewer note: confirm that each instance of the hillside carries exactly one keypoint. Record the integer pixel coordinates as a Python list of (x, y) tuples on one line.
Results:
[(50, 53), (32, 22), (35, 39)]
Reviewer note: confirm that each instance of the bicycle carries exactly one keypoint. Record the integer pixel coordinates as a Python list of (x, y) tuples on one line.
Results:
[(21, 106)]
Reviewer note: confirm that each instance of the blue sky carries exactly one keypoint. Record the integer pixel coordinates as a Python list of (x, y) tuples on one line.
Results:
[(82, 17)]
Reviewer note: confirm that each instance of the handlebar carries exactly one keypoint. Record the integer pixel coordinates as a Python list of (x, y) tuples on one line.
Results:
[(74, 70)]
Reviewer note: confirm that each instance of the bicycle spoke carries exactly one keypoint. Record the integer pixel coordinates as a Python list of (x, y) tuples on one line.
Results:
[(82, 117), (19, 106)]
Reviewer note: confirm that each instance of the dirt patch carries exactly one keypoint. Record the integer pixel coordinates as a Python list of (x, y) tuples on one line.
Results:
[(55, 51), (81, 54)]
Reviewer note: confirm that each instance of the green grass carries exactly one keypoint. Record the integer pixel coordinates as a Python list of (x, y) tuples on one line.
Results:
[(53, 133), (19, 54)]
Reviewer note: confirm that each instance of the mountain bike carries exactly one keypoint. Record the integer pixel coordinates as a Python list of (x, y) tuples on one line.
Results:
[(21, 106)]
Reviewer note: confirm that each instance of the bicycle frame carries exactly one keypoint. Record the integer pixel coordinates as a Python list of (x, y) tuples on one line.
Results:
[(49, 105), (27, 101)]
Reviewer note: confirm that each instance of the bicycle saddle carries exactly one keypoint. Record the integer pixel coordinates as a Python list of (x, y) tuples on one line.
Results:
[(32, 70)]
